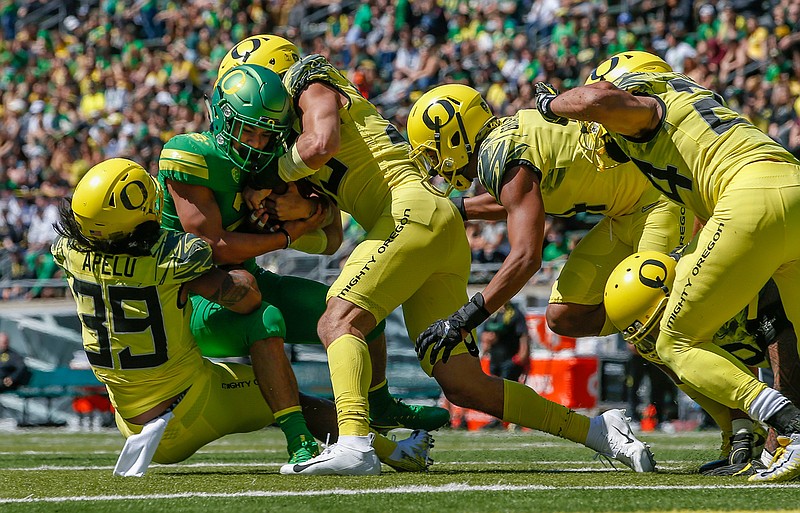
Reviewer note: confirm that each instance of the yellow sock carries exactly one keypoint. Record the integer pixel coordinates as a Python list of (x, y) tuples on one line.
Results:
[(383, 446), (351, 373), (524, 407)]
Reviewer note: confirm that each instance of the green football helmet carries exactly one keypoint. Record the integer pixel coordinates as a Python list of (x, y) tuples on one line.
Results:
[(250, 104)]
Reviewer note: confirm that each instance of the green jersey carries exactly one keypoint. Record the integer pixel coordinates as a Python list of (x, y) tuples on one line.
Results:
[(194, 159)]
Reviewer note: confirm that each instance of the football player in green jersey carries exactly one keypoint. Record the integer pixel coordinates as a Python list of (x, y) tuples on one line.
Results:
[(744, 186), (131, 280), (204, 175), (415, 255)]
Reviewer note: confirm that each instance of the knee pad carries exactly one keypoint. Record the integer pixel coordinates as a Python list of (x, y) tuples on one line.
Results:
[(266, 322)]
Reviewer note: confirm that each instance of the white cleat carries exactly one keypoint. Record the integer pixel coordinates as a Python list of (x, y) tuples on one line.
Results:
[(613, 437), (412, 453), (338, 460), (785, 464)]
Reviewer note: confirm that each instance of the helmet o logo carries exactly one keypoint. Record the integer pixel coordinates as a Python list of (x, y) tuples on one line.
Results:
[(653, 273), (133, 199), (234, 80), (255, 44), (612, 63), (447, 108)]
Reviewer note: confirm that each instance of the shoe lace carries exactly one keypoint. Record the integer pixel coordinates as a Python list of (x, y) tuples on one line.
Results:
[(604, 460)]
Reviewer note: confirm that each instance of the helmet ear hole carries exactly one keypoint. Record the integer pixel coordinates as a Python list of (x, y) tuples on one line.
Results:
[(456, 139)]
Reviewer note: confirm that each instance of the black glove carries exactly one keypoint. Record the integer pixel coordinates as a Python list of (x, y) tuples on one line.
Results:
[(545, 94), (445, 334)]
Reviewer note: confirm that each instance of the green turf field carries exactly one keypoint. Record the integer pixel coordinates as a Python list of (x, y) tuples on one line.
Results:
[(52, 470)]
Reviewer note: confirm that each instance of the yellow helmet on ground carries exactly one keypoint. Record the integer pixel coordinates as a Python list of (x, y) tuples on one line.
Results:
[(636, 295), (443, 128), (272, 52), (114, 197), (633, 61)]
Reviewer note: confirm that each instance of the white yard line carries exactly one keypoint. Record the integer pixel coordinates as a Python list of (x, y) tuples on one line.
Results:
[(401, 490)]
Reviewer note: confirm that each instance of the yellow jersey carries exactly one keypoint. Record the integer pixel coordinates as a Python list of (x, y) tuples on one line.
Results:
[(135, 327), (700, 144), (373, 155), (569, 182)]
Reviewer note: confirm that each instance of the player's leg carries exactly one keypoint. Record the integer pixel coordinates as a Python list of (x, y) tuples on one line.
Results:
[(223, 399), (465, 384), (220, 332), (575, 307), (299, 300), (722, 270)]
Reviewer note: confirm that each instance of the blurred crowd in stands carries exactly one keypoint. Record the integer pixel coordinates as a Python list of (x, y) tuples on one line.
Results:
[(117, 79)]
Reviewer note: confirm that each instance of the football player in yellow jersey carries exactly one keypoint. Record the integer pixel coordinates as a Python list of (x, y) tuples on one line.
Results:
[(415, 255), (131, 280), (636, 296), (744, 186)]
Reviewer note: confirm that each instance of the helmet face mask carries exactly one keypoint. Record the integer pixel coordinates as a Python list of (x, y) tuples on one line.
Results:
[(251, 115), (272, 52), (113, 198), (443, 127)]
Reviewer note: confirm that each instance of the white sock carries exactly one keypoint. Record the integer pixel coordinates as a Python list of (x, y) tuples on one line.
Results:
[(361, 443), (767, 404), (594, 438)]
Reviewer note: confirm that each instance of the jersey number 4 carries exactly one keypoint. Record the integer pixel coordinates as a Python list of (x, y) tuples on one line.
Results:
[(99, 322)]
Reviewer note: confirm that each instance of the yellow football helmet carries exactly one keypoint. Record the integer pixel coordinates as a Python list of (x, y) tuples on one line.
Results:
[(443, 127), (633, 61), (114, 197), (636, 295), (272, 52), (593, 135)]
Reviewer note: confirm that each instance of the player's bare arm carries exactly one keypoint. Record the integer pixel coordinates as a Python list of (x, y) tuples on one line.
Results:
[(199, 214), (235, 289), (522, 199), (484, 206), (616, 109), (319, 105)]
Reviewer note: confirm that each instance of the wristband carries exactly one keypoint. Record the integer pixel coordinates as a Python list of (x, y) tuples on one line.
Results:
[(473, 313), (291, 166), (458, 201), (288, 237)]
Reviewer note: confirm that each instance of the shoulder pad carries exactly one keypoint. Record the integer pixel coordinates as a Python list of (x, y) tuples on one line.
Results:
[(309, 69), (184, 256), (185, 156)]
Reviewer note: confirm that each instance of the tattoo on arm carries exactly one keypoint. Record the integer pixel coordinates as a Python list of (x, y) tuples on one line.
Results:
[(232, 290)]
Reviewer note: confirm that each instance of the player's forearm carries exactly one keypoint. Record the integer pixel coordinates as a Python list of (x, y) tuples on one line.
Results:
[(236, 247), (238, 292), (617, 110), (517, 269), (484, 206)]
